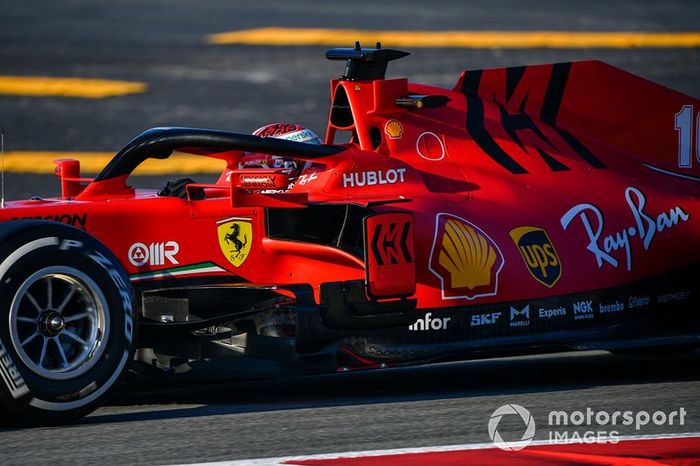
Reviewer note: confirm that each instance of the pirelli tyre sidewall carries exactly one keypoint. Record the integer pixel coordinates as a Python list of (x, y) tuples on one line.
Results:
[(73, 284)]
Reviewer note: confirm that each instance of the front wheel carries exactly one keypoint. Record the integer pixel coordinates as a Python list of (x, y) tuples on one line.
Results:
[(66, 322)]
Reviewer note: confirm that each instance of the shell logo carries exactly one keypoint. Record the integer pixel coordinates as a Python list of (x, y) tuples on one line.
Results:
[(465, 259), (393, 129)]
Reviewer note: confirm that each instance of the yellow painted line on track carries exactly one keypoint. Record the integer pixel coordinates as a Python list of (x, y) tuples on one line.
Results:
[(42, 86), (93, 162), (458, 39)]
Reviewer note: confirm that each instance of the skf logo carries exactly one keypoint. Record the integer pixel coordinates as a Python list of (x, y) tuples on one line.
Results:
[(538, 253), (464, 258), (153, 254), (485, 319), (520, 318), (235, 237)]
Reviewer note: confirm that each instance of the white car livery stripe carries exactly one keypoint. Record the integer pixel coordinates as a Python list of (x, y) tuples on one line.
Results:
[(195, 269)]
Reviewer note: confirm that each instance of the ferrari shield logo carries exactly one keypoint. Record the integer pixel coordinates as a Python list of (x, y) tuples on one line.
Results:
[(465, 259), (235, 237), (538, 253)]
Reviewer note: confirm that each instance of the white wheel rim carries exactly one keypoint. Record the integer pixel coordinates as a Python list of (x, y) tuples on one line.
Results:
[(58, 323)]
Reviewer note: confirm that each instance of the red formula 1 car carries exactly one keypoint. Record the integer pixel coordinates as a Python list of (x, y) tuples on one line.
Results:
[(527, 209)]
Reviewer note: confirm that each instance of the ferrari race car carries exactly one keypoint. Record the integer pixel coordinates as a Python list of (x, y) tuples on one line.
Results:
[(534, 208)]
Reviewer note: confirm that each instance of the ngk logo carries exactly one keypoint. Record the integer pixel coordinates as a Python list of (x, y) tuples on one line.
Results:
[(154, 253), (583, 307)]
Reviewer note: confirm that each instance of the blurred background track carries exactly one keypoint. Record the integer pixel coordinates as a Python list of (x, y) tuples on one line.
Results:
[(171, 74)]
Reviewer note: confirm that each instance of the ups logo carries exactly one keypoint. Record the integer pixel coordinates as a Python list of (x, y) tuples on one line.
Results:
[(538, 253)]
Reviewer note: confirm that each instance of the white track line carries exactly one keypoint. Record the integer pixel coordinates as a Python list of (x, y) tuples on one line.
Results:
[(401, 451)]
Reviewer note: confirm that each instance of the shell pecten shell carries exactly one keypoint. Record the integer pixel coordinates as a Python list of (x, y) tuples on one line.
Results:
[(394, 129), (467, 255)]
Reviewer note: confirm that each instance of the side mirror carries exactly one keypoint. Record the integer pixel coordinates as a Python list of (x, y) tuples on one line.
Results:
[(68, 171)]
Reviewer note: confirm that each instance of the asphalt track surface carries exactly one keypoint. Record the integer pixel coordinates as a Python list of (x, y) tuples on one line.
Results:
[(237, 87), (395, 408)]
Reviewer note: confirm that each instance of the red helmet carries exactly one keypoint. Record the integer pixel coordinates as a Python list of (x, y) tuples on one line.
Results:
[(286, 131), (289, 132)]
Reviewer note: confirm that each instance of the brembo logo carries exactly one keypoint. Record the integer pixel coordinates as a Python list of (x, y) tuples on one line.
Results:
[(154, 253)]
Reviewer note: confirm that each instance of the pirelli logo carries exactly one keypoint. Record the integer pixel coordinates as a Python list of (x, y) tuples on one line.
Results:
[(11, 376)]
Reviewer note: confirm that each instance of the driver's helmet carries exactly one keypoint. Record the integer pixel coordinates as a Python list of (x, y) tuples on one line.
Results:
[(287, 131)]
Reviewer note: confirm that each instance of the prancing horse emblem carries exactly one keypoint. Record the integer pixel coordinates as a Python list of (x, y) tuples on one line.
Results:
[(235, 236)]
